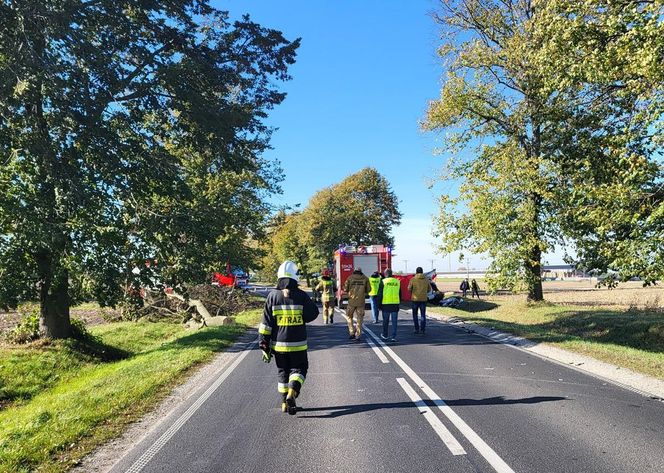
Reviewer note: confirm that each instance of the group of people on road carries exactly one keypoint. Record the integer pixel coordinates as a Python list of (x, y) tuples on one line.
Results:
[(282, 332)]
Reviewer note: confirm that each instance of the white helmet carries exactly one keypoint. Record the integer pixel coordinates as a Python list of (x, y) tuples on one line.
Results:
[(288, 269)]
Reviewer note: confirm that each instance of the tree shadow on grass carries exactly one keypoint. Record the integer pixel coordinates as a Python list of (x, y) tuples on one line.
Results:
[(212, 338), (338, 411), (639, 329)]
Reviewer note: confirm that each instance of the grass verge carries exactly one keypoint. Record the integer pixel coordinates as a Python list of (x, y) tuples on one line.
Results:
[(63, 399), (632, 338)]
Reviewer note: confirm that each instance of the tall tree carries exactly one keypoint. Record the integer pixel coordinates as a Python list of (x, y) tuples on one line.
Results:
[(362, 210), (494, 104), (128, 129), (607, 58)]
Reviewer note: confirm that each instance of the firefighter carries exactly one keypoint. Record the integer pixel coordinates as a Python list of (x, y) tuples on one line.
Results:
[(357, 287), (327, 287), (283, 333), (374, 282)]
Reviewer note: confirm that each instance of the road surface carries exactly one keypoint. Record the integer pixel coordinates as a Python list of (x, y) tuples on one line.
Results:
[(449, 401)]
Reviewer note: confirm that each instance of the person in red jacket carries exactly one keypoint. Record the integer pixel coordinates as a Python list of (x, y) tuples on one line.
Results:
[(283, 333)]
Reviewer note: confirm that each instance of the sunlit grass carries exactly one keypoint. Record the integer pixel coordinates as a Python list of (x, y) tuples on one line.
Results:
[(67, 397), (631, 338)]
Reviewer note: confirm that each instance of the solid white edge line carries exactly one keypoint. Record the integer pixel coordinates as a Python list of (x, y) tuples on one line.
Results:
[(377, 350), (172, 430), (480, 445), (373, 346), (445, 435)]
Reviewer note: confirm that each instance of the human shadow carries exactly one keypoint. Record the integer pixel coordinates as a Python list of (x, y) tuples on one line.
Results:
[(338, 411)]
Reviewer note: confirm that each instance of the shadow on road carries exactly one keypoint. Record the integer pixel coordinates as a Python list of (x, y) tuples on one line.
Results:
[(338, 411)]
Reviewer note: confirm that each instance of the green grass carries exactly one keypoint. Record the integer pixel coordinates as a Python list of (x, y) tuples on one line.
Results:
[(632, 339), (64, 398)]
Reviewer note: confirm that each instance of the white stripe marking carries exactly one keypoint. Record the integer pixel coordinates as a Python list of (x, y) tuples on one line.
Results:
[(376, 350), (177, 425), (444, 434), (487, 452), (373, 346)]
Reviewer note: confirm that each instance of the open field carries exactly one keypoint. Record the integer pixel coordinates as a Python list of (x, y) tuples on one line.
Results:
[(623, 326), (58, 400), (584, 293)]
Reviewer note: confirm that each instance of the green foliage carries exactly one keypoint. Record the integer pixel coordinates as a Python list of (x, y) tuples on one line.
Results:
[(362, 209), (130, 131), (609, 67), (27, 330), (560, 106), (493, 103)]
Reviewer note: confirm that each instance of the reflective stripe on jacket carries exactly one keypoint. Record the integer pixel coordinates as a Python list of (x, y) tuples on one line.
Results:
[(284, 319)]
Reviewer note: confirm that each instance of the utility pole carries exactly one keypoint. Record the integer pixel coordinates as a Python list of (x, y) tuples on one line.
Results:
[(432, 260), (405, 262)]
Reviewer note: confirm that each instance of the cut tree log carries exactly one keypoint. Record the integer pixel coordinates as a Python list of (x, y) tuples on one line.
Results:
[(200, 307)]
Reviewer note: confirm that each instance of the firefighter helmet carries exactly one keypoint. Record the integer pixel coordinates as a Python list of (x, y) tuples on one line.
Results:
[(288, 269)]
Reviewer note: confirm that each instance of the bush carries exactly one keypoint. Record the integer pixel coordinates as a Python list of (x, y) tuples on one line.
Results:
[(27, 330)]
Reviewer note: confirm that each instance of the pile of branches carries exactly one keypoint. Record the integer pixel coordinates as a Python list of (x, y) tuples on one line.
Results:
[(223, 300), (217, 301)]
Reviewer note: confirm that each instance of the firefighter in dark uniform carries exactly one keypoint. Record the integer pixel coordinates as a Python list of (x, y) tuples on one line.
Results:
[(283, 333)]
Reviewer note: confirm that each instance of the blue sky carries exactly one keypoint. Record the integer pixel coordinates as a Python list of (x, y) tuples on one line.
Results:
[(363, 77)]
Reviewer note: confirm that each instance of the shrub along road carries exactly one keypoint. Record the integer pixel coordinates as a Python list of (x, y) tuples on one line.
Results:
[(449, 401)]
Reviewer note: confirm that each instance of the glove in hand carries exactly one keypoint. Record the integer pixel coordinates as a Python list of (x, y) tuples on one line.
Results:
[(265, 348)]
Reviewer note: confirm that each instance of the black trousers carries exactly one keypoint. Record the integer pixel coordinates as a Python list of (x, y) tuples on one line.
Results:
[(292, 368)]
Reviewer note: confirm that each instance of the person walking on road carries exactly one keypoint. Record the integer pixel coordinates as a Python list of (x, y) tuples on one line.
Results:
[(357, 287), (389, 297), (475, 289), (374, 282), (283, 333), (327, 287), (464, 287), (419, 288)]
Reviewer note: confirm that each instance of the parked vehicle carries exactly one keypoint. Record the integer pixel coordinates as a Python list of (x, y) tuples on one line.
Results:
[(369, 258)]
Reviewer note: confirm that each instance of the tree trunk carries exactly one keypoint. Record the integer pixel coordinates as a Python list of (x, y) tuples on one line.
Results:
[(54, 321), (534, 275), (53, 282)]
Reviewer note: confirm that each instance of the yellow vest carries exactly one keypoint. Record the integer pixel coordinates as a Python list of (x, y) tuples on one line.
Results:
[(374, 282), (391, 291)]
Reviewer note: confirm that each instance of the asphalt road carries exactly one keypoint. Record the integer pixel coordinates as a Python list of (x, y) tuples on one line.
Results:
[(450, 401)]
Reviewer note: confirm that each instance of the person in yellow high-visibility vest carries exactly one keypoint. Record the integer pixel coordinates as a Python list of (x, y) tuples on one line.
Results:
[(374, 282), (327, 287), (389, 297)]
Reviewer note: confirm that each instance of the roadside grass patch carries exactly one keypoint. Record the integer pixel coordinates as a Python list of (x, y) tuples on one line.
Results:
[(64, 398), (631, 338)]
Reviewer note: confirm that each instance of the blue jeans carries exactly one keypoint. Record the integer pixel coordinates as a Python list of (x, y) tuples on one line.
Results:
[(422, 306), (386, 323), (374, 308)]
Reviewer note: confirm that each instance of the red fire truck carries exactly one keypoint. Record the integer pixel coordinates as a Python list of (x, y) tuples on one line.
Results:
[(369, 258)]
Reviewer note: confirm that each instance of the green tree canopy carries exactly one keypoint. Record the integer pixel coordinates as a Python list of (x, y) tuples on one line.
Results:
[(362, 209), (552, 132), (129, 129), (607, 58)]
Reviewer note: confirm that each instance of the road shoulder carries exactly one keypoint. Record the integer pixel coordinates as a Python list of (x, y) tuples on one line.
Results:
[(628, 379)]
